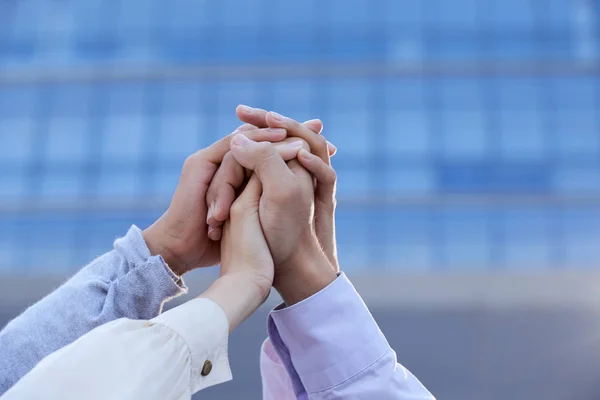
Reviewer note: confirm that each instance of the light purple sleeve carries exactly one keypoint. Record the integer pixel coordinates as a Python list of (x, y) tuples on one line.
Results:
[(330, 347)]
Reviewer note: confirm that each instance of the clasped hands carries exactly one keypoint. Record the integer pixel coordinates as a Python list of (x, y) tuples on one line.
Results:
[(260, 201)]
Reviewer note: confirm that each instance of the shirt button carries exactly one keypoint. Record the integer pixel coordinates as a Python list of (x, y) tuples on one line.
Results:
[(206, 368)]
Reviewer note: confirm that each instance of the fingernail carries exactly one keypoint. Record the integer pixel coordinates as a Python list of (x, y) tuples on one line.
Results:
[(246, 109), (278, 131), (331, 146), (297, 145), (210, 231), (210, 213), (276, 117), (240, 140)]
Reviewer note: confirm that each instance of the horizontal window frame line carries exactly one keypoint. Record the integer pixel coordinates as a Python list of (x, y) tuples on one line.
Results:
[(476, 200), (13, 76)]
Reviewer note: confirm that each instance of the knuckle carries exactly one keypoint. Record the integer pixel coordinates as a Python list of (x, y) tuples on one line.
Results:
[(331, 176), (246, 127), (321, 141), (237, 210), (287, 193), (191, 161)]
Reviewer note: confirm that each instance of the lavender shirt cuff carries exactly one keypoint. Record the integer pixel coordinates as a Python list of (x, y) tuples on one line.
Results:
[(326, 339)]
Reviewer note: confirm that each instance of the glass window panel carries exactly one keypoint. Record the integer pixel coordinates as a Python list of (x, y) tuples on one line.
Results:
[(124, 138), (349, 95), (91, 17), (466, 236), (352, 131), (405, 93), (521, 135), (352, 183), (182, 98), (126, 98), (240, 14), (518, 94), (166, 181), (406, 44), (61, 185), (18, 101), (67, 140), (137, 17), (581, 231), (510, 14), (576, 93), (121, 184), (526, 233), (558, 14), (352, 235), (411, 181), (465, 134), (349, 11), (463, 14), (582, 180), (577, 133), (293, 13), (408, 133), (179, 136), (70, 101), (293, 95), (14, 182), (187, 15), (16, 140), (396, 12), (460, 93), (233, 93)]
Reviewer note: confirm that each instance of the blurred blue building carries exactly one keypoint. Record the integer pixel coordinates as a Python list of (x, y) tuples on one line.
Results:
[(468, 130)]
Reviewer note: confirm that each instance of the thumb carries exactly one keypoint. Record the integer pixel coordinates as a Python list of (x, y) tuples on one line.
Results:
[(250, 196), (263, 159)]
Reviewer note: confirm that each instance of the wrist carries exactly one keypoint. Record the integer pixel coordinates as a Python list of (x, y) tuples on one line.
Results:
[(157, 243), (304, 276), (238, 295)]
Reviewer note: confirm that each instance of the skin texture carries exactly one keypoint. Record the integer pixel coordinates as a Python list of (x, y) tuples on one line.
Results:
[(247, 266), (180, 234), (297, 218)]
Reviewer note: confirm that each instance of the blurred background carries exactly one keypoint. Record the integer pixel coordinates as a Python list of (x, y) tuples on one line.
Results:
[(469, 161)]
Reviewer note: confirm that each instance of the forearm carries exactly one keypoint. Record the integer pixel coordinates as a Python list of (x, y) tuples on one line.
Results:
[(305, 277), (126, 282)]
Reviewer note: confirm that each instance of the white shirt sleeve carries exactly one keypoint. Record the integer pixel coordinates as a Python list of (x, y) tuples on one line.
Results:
[(170, 357)]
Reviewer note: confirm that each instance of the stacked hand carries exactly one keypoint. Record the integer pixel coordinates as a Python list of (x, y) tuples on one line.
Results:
[(261, 201)]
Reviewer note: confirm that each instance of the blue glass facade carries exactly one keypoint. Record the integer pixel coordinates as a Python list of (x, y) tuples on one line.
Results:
[(468, 130)]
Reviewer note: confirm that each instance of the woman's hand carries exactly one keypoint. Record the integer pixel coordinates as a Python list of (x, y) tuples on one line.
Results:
[(246, 263)]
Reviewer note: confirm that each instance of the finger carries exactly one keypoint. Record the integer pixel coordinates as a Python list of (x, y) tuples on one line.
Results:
[(258, 117), (264, 160), (215, 233), (215, 152), (251, 115), (325, 175), (317, 143), (315, 125), (231, 175), (250, 196)]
